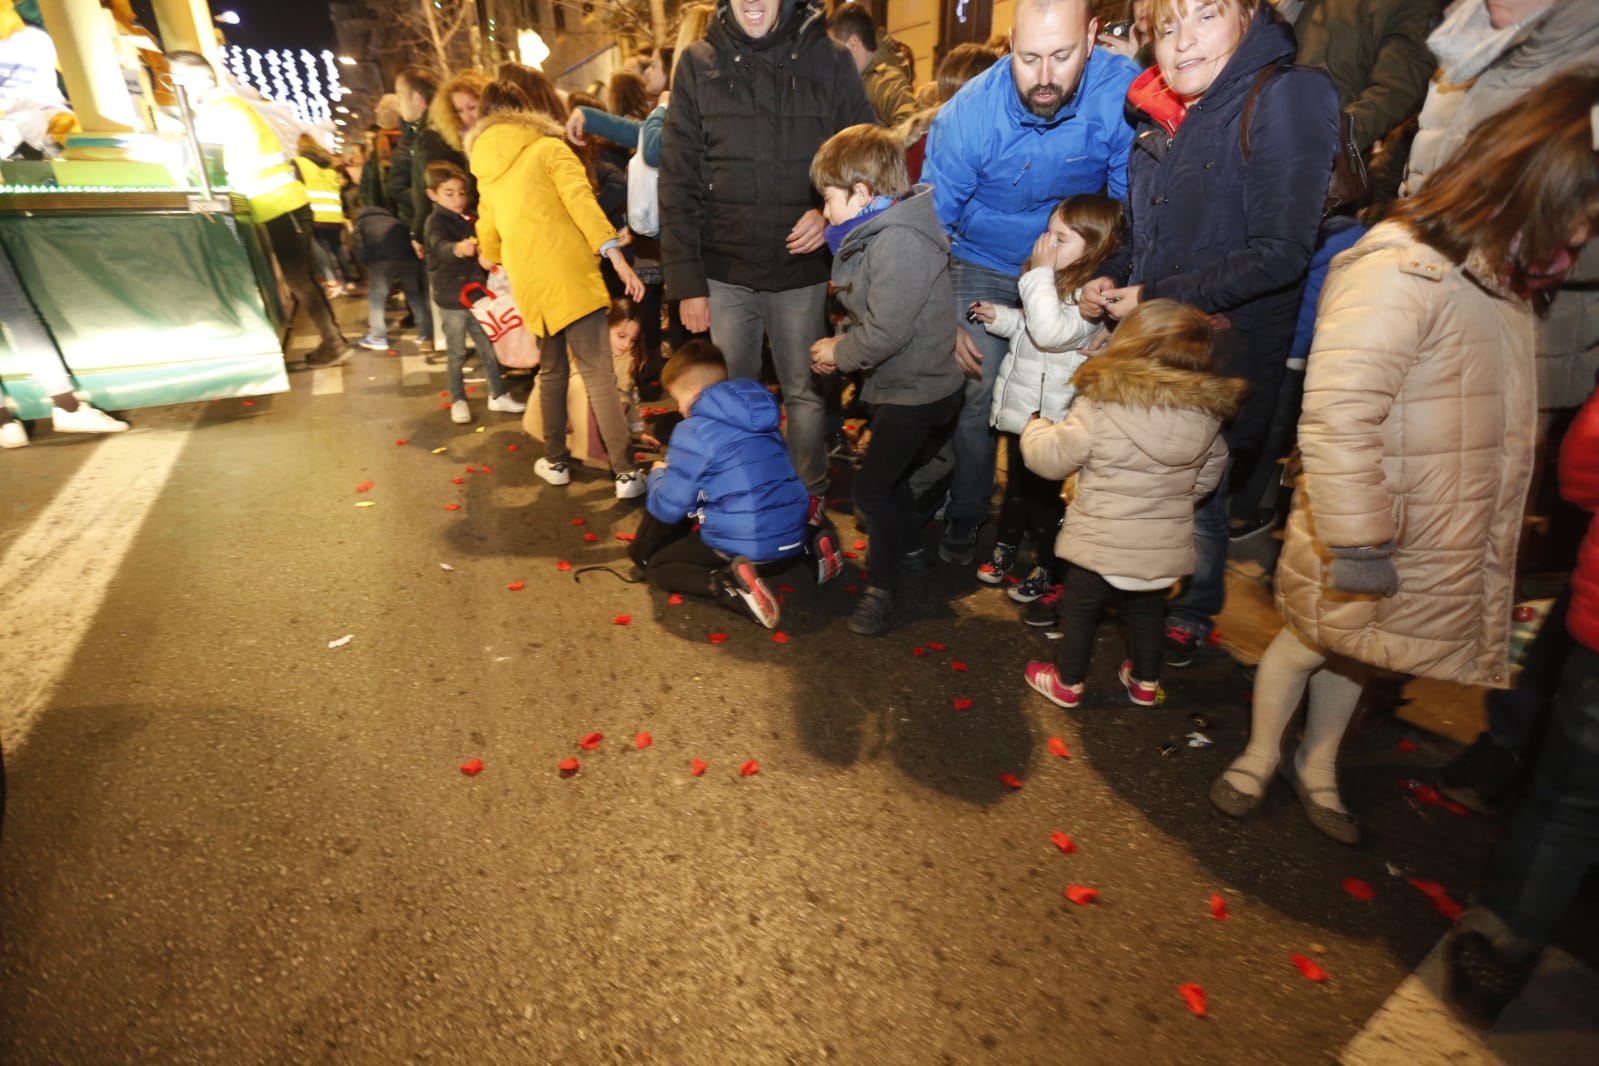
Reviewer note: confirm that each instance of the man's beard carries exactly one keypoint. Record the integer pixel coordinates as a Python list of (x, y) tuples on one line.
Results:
[(1048, 110)]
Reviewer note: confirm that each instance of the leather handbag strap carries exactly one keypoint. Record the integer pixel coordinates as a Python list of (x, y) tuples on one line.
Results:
[(1261, 79)]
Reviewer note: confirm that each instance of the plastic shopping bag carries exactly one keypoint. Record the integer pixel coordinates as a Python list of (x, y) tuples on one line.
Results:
[(515, 345)]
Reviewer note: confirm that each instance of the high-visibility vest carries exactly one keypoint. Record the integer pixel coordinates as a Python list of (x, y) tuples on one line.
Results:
[(253, 158), (322, 186)]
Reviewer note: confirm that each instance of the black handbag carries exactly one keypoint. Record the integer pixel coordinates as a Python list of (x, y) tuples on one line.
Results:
[(1348, 186)]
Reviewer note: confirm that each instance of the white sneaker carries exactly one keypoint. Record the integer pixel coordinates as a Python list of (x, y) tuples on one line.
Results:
[(631, 485), (460, 413), (13, 435), (554, 473), (85, 419), (507, 403)]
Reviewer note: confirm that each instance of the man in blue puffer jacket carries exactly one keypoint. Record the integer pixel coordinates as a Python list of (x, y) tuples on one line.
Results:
[(1013, 143), (728, 468)]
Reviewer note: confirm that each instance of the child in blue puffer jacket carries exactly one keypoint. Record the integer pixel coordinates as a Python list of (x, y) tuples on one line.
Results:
[(727, 468)]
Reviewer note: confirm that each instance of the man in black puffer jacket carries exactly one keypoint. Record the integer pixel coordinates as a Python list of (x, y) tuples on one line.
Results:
[(741, 233)]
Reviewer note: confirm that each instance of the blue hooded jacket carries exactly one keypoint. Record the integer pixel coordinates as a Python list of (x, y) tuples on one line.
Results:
[(997, 170), (728, 465)]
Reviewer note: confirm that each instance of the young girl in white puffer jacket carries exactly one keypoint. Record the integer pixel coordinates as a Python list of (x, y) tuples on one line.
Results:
[(1045, 334)]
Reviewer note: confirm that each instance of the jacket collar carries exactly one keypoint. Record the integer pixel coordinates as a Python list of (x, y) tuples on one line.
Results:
[(1150, 94), (799, 17)]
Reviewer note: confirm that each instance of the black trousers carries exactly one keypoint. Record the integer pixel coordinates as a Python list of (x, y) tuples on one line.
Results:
[(903, 438), (674, 557), (1083, 600), (1032, 506), (290, 236)]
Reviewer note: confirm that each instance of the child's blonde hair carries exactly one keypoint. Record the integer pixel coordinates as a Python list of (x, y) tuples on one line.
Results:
[(1166, 332), (1098, 221)]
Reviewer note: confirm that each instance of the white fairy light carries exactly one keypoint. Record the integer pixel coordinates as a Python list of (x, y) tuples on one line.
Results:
[(257, 80)]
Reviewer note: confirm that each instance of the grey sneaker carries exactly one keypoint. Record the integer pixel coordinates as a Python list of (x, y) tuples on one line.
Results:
[(959, 543), (870, 616)]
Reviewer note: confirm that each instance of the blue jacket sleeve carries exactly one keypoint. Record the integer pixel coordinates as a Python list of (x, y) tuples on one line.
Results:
[(652, 137), (675, 487), (623, 131), (946, 167), (1285, 186)]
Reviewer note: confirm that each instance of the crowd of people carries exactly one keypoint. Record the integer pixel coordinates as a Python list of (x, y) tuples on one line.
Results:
[(1156, 259)]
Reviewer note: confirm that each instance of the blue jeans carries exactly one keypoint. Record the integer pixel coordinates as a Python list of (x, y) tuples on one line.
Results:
[(972, 488), (1554, 835), (1205, 590), (458, 322), (381, 276), (792, 321)]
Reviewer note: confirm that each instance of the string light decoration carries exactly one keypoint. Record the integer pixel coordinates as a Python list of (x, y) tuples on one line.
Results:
[(295, 80)]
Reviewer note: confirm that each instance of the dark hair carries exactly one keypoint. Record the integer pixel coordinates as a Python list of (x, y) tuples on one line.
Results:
[(536, 87), (621, 310), (441, 171), (1098, 221), (420, 79), (626, 95), (853, 20), (694, 355), (668, 56), (865, 153), (960, 65), (1512, 191), (501, 96)]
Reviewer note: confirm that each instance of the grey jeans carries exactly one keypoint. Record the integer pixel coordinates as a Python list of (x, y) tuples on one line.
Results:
[(793, 320), (588, 342), (972, 490)]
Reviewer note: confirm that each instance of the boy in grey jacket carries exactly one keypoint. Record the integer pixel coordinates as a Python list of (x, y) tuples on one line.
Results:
[(891, 276)]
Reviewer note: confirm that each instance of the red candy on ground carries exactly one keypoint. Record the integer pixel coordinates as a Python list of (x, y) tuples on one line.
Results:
[(1194, 996), (1063, 842), (1010, 780), (458, 481), (918, 652), (958, 666), (626, 536), (567, 766), (513, 447), (716, 638), (860, 545), (590, 538), (621, 620), (516, 586), (452, 507), (563, 565), (749, 769), (1309, 969), (575, 521), (1359, 889), (935, 645), (698, 767), (779, 637), (1439, 896), (1406, 745), (961, 703), (1081, 895), (1218, 907), (472, 767), (674, 599), (590, 741), (642, 740), (1057, 746), (363, 486), (402, 442)]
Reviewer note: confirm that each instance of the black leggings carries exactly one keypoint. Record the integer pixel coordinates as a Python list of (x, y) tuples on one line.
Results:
[(1082, 601), (903, 437), (290, 236), (1032, 506), (675, 558)]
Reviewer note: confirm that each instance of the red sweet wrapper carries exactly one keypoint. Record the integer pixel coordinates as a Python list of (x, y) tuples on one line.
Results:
[(780, 637), (458, 481), (1405, 744), (1057, 746), (1081, 895), (1311, 971), (626, 536), (918, 652), (958, 666), (698, 767), (642, 740), (590, 741), (860, 545), (472, 767), (365, 486), (513, 447), (516, 586), (621, 620), (1194, 996), (675, 600), (563, 565), (1361, 890), (1063, 842), (717, 638), (935, 645), (1010, 780), (575, 521), (402, 443), (567, 766), (1439, 896), (749, 769), (1218, 907), (961, 703), (452, 507), (591, 537)]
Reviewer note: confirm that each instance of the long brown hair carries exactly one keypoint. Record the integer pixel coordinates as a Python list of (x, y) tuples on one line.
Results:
[(1511, 193), (626, 95), (441, 109), (538, 88), (1098, 221)]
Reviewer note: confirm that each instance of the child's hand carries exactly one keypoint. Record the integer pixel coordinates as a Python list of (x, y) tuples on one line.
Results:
[(1043, 252), (659, 464), (486, 263), (981, 311), (823, 361), (1097, 343), (465, 249), (1092, 301)]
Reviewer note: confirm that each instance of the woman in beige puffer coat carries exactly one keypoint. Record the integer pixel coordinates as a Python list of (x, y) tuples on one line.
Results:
[(1417, 437)]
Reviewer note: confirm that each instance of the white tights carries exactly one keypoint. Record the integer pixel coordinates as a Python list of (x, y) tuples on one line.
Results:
[(1335, 686)]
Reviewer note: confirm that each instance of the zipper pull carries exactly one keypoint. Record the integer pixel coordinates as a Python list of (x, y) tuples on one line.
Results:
[(1025, 168)]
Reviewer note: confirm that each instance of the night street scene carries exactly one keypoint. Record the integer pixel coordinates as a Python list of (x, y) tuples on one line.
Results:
[(799, 531)]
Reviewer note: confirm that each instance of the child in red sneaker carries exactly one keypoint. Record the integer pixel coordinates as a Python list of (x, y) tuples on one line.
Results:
[(1143, 440)]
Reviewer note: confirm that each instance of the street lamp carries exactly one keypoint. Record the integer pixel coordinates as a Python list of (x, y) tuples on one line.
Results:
[(228, 18), (348, 61)]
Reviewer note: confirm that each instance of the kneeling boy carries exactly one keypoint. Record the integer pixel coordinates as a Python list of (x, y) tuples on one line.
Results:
[(728, 468)]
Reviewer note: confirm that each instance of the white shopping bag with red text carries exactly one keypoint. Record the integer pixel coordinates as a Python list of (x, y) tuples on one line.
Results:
[(515, 345)]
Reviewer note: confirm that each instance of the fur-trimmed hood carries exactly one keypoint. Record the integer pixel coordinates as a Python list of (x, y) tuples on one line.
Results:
[(1131, 388), (519, 129)]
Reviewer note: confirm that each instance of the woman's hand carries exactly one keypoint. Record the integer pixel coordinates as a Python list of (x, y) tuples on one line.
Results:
[(981, 311), (1119, 303), (630, 282), (823, 361), (624, 237), (1091, 304), (574, 127), (808, 233)]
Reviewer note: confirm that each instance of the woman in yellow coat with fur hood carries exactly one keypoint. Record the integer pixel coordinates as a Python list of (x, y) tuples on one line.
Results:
[(538, 216)]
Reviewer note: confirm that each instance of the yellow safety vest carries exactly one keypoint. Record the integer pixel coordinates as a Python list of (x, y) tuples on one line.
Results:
[(253, 158), (322, 186)]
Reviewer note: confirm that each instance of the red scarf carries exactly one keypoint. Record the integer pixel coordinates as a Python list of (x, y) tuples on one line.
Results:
[(1151, 95)]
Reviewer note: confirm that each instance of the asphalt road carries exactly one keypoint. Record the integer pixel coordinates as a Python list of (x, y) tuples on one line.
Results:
[(227, 842)]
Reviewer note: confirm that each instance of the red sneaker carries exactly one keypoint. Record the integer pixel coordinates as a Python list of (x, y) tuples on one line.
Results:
[(1041, 678), (1144, 694)]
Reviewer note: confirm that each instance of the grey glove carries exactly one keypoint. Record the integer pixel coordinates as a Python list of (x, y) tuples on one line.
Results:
[(1364, 571)]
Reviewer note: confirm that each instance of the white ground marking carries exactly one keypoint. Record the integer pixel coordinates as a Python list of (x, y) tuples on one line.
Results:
[(55, 576), (328, 382)]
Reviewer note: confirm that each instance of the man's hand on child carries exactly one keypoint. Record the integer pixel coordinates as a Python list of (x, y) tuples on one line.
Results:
[(823, 361), (808, 233)]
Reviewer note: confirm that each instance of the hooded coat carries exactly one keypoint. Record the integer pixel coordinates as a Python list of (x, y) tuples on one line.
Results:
[(728, 466), (1144, 440), (1579, 484), (746, 118), (891, 276), (1230, 236), (1045, 335), (537, 215), (1561, 39), (1417, 432)]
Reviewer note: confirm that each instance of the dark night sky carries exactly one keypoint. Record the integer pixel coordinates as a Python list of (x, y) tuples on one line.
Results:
[(270, 23)]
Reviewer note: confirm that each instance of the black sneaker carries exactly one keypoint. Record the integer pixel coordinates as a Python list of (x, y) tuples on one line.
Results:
[(870, 616), (1043, 612), (1180, 646), (914, 562), (1484, 777), (1479, 982), (328, 355), (958, 545)]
